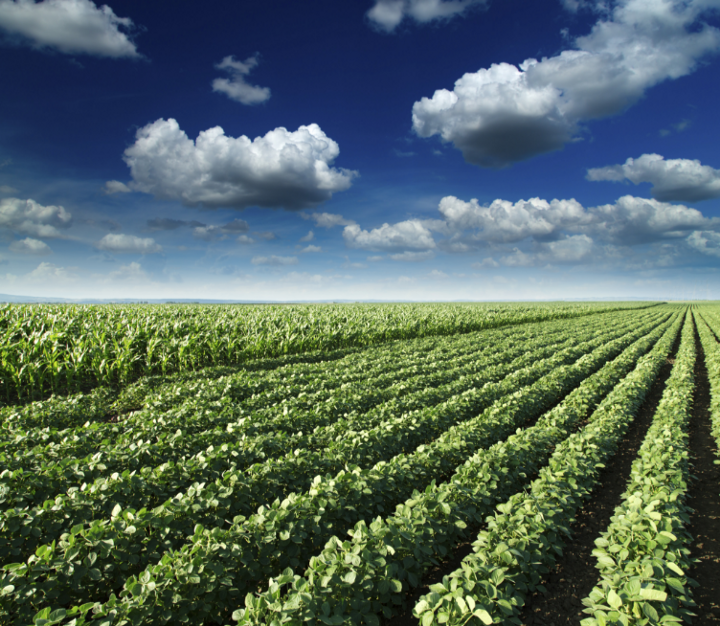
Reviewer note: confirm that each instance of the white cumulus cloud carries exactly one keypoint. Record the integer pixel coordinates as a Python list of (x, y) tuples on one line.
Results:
[(387, 14), (504, 221), (628, 221), (236, 88), (30, 246), (128, 243), (679, 180), (506, 113), (282, 169), (30, 218), (632, 221), (70, 26), (311, 248), (403, 236)]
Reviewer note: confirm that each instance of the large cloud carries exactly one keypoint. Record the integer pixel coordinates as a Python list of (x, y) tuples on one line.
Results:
[(540, 232), (680, 180), (70, 26), (629, 221), (387, 14), (128, 244), (407, 235), (236, 88), (282, 169), (30, 218), (504, 114), (505, 222)]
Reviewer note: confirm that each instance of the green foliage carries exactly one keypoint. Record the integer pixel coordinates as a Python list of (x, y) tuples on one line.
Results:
[(48, 349), (643, 555), (177, 497)]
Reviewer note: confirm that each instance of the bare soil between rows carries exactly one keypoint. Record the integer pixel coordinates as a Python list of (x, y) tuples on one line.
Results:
[(705, 499)]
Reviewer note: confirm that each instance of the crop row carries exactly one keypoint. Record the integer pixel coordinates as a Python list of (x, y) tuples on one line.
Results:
[(525, 537), (233, 491), (643, 555), (44, 472), (259, 389), (200, 413), (60, 349), (708, 338), (237, 558), (357, 580), (264, 377)]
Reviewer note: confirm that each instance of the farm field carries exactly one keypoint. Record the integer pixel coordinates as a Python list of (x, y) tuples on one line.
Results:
[(360, 464)]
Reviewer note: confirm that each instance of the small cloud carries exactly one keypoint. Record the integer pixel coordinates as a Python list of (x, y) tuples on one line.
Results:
[(128, 244), (386, 15), (208, 233), (487, 262), (236, 226), (7, 189), (274, 260), (266, 235), (30, 218), (166, 223), (437, 274), (376, 258), (411, 234), (327, 220), (30, 246), (414, 257), (678, 128), (309, 237), (236, 88), (245, 240), (115, 186), (311, 249), (50, 273), (679, 180), (129, 273), (400, 153)]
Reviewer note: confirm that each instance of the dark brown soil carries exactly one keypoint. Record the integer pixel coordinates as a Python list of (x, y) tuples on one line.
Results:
[(575, 575), (705, 499)]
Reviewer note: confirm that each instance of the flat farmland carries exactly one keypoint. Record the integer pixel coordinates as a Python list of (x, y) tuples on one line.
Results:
[(360, 464)]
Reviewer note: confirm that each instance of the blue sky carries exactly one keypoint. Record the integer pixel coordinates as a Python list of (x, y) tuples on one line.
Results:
[(371, 149)]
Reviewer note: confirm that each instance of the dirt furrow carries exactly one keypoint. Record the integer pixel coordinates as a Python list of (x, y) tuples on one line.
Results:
[(705, 499)]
